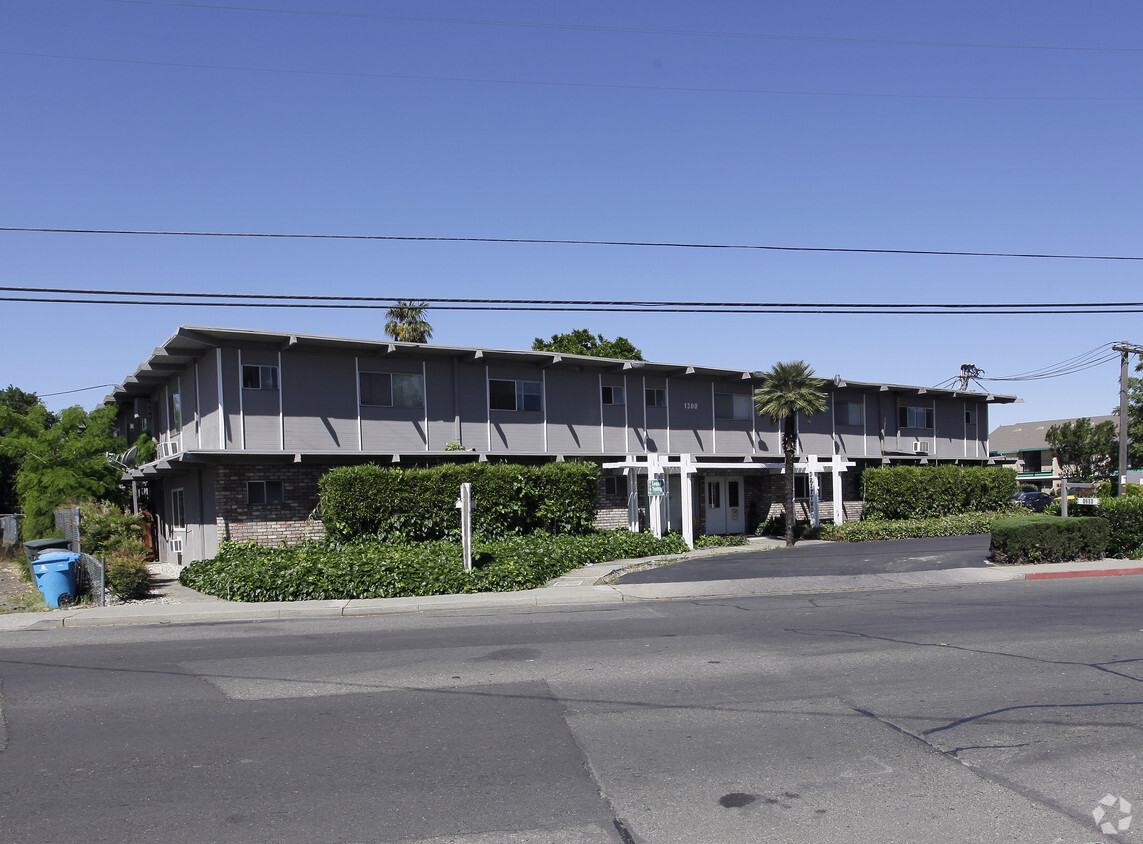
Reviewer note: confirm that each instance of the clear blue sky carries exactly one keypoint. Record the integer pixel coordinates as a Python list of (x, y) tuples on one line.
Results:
[(879, 125)]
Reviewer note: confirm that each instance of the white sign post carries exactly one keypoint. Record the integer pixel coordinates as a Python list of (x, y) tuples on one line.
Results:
[(464, 504)]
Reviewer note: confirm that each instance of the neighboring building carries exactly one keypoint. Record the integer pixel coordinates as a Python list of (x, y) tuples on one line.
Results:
[(1026, 444), (248, 421)]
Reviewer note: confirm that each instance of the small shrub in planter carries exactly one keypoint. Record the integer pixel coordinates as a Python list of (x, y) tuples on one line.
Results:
[(128, 575), (1037, 538)]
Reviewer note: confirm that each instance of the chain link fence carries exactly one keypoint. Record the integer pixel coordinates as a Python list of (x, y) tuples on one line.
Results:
[(91, 573)]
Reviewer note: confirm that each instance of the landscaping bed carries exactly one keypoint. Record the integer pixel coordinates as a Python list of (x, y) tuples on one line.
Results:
[(328, 570)]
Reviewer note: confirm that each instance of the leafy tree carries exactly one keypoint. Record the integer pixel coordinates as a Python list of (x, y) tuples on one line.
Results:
[(21, 403), (1085, 452), (1134, 419), (583, 342), (787, 390), (407, 323), (61, 462)]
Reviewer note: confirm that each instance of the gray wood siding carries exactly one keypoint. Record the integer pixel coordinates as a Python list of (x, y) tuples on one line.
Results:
[(231, 393), (261, 409), (636, 415), (735, 436), (815, 434), (691, 416), (851, 439), (442, 408), (517, 430), (319, 394), (950, 429), (472, 391), (209, 416), (393, 429), (655, 426), (573, 405), (614, 438)]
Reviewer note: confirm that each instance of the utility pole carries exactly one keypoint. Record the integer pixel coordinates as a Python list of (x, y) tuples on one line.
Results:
[(968, 371), (1126, 350)]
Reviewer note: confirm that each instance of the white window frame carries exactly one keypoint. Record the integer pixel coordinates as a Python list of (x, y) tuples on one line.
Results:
[(522, 391), (907, 414), (418, 378), (652, 396), (612, 395), (267, 376)]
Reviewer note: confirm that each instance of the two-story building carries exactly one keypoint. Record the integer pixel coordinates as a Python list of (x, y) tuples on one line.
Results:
[(247, 422), (1025, 444)]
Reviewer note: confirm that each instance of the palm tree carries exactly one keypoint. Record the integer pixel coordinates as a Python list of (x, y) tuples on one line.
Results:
[(789, 389), (407, 322)]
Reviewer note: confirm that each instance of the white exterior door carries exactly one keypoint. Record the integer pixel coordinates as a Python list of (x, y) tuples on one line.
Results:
[(724, 507)]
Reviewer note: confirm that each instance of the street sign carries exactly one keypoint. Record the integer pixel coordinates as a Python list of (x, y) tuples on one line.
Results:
[(655, 487)]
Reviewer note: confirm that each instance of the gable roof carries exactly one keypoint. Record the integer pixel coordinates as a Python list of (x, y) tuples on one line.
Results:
[(1030, 436)]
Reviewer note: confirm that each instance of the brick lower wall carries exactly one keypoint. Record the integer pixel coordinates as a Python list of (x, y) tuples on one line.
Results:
[(289, 522)]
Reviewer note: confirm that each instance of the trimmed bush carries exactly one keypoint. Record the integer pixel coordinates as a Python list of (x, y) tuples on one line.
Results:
[(919, 492), (419, 505), (1037, 538), (712, 541), (1124, 517), (128, 575), (329, 571), (868, 530)]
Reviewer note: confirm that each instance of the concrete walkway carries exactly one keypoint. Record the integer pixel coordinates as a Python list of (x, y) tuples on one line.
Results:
[(580, 587)]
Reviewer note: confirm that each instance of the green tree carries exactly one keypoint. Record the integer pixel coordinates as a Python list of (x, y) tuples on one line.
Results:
[(60, 463), (1134, 420), (1085, 452), (583, 342), (787, 390), (407, 323), (20, 403)]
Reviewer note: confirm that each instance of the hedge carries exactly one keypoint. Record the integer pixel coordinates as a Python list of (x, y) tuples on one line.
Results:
[(419, 505), (918, 492), (1037, 538), (1124, 517), (867, 530), (323, 570)]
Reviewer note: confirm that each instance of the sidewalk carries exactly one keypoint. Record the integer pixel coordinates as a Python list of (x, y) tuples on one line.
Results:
[(579, 587)]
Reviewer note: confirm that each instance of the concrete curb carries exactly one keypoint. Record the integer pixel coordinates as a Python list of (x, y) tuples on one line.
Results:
[(577, 588)]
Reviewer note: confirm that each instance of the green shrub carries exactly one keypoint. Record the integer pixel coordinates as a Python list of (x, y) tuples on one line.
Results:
[(128, 575), (328, 570), (1124, 516), (867, 530), (776, 526), (711, 541), (418, 505), (1036, 538), (917, 492)]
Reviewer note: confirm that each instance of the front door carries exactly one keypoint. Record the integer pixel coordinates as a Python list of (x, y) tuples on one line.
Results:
[(724, 510)]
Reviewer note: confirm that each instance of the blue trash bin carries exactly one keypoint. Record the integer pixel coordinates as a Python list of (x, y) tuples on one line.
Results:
[(55, 576)]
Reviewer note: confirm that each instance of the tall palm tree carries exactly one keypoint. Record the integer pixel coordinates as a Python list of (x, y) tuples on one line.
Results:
[(789, 389), (406, 322)]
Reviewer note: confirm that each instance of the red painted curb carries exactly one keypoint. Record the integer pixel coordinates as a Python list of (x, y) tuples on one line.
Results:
[(1047, 575)]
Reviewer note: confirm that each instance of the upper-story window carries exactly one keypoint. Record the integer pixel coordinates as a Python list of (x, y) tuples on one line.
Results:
[(260, 377), (656, 398), (392, 389), (849, 413), (175, 412), (970, 417), (915, 417), (732, 406), (613, 395), (515, 395)]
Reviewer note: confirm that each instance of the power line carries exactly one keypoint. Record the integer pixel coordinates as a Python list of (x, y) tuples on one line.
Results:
[(188, 300), (649, 304), (69, 392), (558, 84), (573, 242), (633, 30)]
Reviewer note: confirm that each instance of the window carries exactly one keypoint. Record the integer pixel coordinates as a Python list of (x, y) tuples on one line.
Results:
[(849, 413), (615, 485), (515, 395), (178, 510), (1032, 461), (264, 492), (175, 413), (970, 417), (915, 417), (731, 406), (260, 377), (384, 389), (613, 395), (656, 398)]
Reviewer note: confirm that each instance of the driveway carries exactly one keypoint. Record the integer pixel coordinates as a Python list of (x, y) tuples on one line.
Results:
[(815, 559)]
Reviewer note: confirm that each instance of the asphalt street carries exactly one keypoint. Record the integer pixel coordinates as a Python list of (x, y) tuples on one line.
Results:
[(818, 559), (997, 712)]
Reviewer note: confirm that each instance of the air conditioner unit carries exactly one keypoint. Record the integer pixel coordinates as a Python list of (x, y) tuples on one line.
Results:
[(920, 447)]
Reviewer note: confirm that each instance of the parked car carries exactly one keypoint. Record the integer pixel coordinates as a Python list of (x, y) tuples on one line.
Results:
[(1034, 501)]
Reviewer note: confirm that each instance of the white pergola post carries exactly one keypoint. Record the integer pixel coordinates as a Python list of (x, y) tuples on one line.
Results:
[(838, 505), (655, 502), (632, 497), (687, 469)]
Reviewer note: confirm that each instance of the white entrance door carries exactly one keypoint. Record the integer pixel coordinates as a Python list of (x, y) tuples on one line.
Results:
[(724, 510)]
